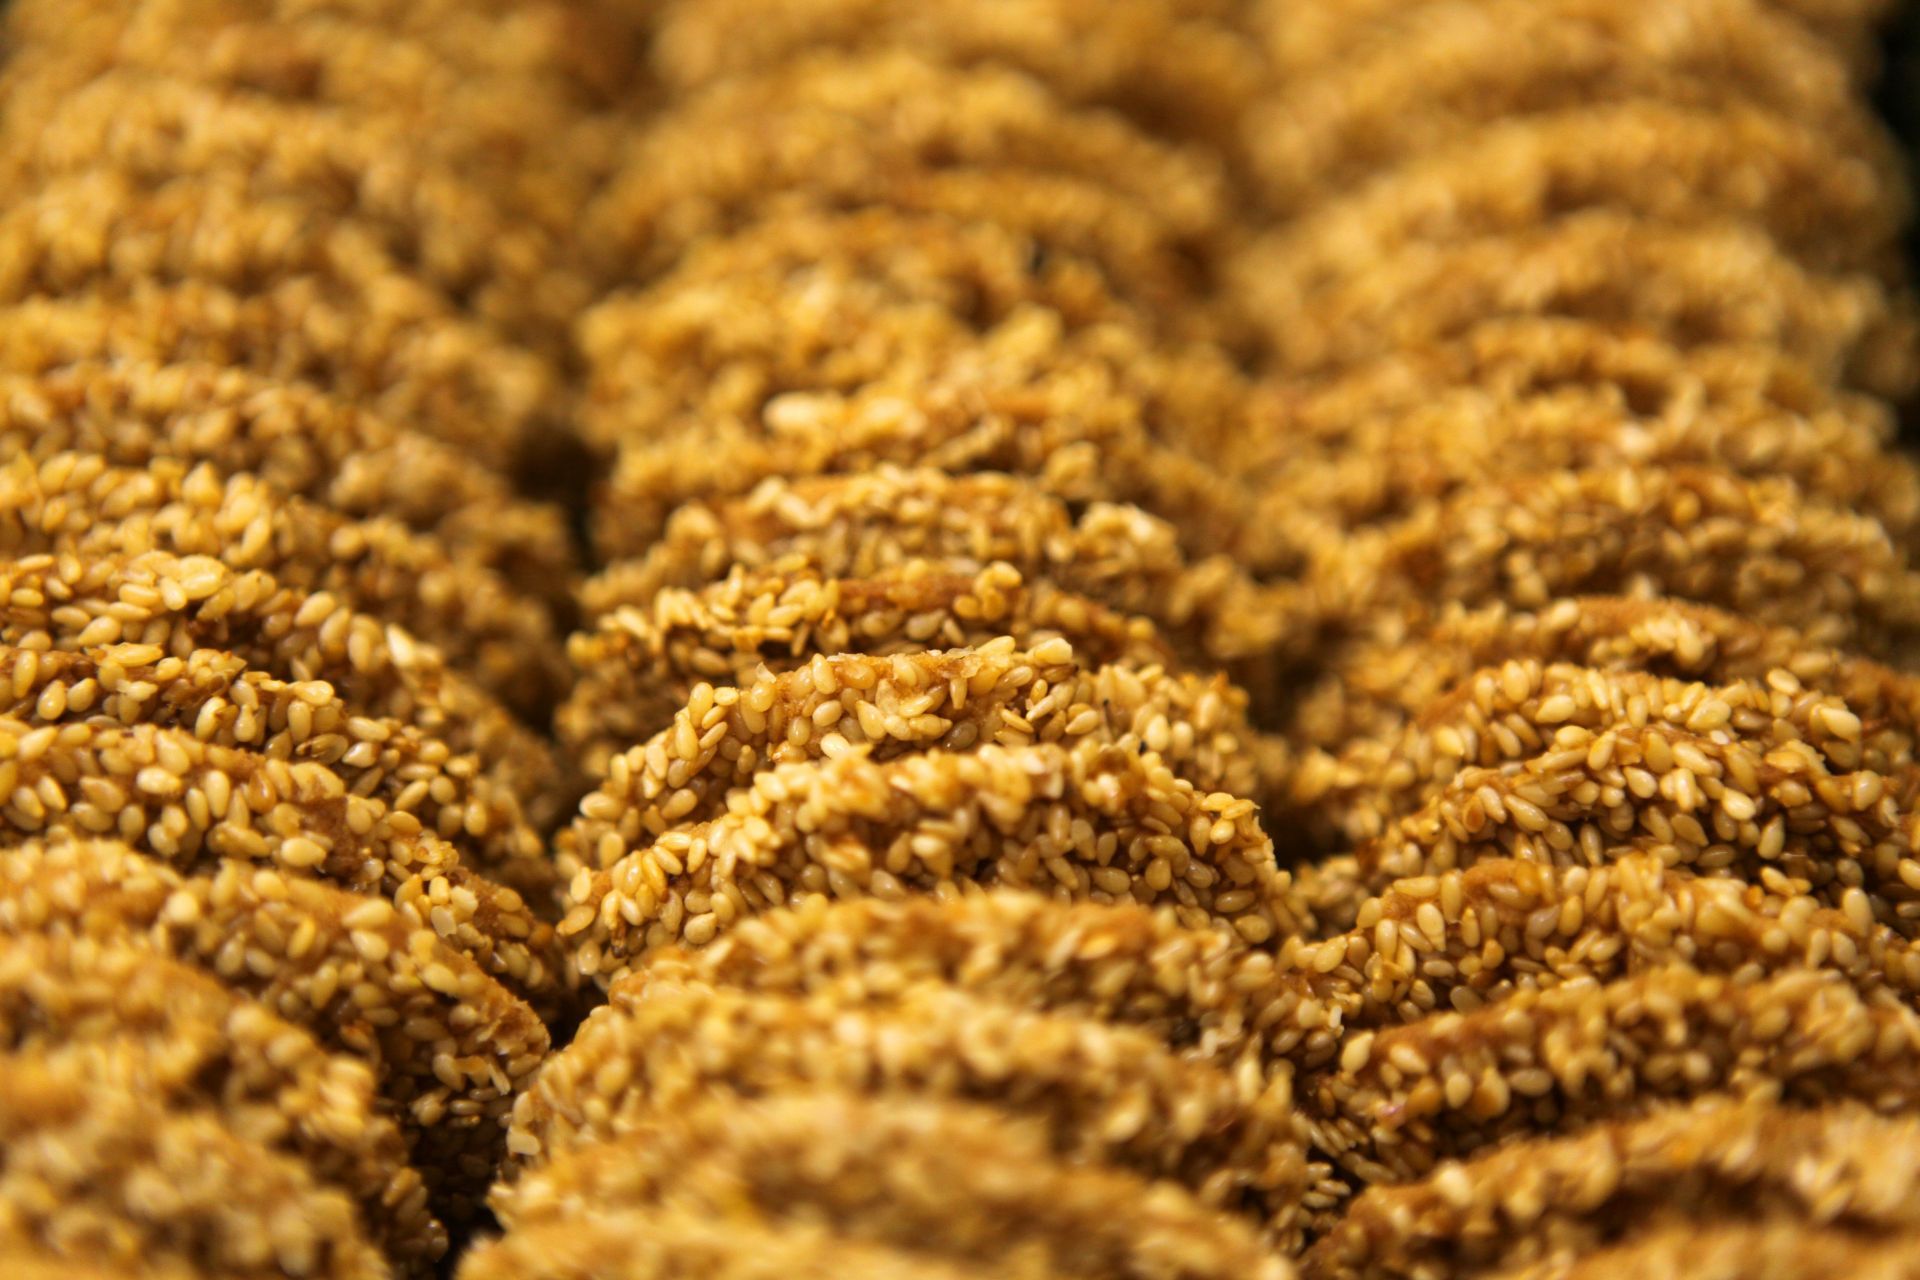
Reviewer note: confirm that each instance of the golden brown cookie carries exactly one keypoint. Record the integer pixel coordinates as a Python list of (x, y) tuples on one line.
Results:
[(101, 1170), (116, 1015), (1102, 1093), (956, 1181), (450, 1046)]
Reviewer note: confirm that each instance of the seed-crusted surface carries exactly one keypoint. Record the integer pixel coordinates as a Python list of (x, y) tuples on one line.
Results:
[(640, 664), (1371, 455), (1664, 162), (829, 300), (450, 1046), (1521, 357), (450, 81), (151, 127), (98, 1168), (1298, 34), (1094, 420), (1382, 683), (180, 604), (102, 226), (1464, 940), (1105, 1093), (1721, 283), (853, 526), (1511, 400), (866, 295), (1516, 367), (1178, 67), (293, 280), (952, 700), (297, 439), (993, 116), (961, 1181), (1697, 802), (1388, 680), (1523, 708), (113, 1012), (399, 351), (581, 49), (653, 1246), (75, 504), (1844, 1168), (193, 804), (186, 800), (847, 140), (1755, 547), (1073, 435), (1087, 820), (1198, 990), (221, 700), (1763, 1251), (1455, 66), (1406, 1098)]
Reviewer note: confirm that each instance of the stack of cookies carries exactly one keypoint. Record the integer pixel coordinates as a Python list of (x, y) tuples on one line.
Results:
[(922, 595), (1586, 325), (284, 290), (1555, 574), (1216, 638)]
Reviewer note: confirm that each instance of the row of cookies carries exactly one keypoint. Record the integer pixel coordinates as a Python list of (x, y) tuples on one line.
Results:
[(923, 875), (285, 292), (1587, 332)]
